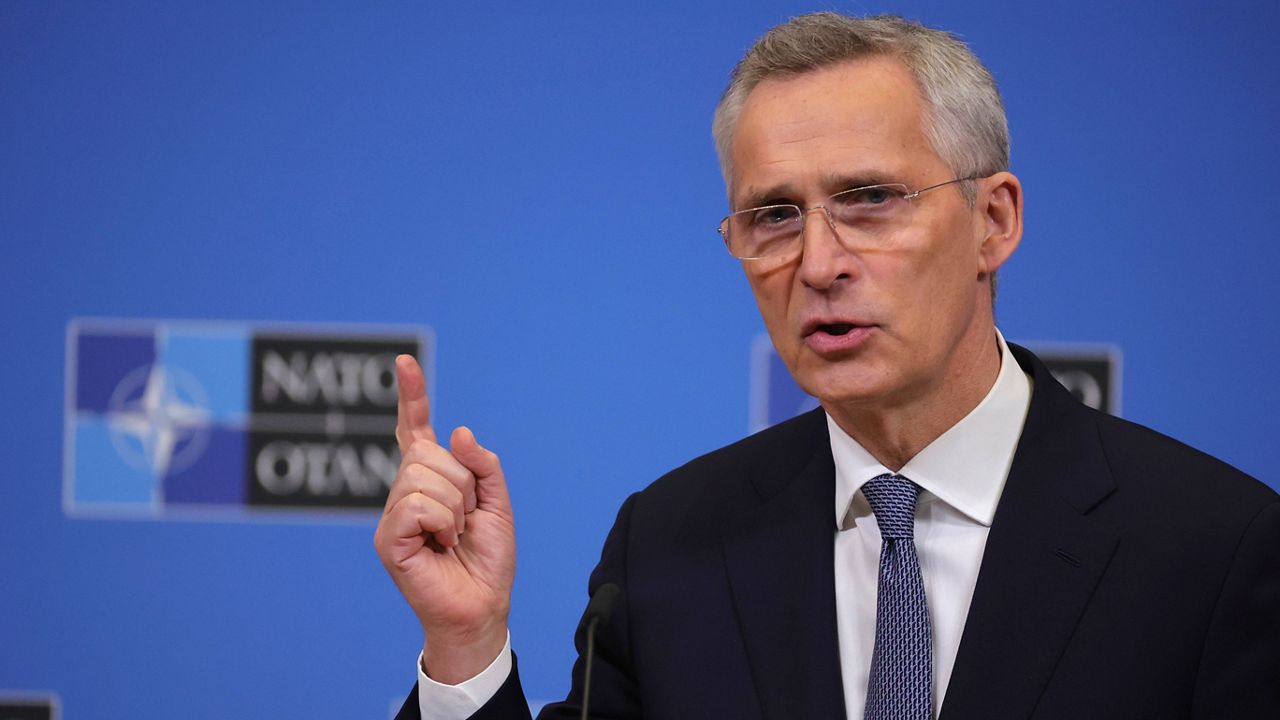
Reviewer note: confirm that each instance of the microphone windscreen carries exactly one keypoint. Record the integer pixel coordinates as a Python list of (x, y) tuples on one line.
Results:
[(603, 602)]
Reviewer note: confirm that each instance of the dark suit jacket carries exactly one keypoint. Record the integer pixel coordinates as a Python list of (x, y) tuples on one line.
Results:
[(1125, 576)]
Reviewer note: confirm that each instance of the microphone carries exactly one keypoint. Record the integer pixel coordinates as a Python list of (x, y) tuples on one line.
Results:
[(599, 610)]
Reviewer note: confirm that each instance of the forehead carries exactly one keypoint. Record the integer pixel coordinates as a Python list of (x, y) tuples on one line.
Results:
[(862, 118)]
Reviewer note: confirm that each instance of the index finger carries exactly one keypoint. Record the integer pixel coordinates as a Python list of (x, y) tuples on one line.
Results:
[(413, 411)]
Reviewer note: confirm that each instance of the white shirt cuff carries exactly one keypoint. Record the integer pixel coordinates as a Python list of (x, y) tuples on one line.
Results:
[(438, 701)]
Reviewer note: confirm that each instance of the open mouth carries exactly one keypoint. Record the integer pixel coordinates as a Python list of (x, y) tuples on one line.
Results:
[(835, 328), (836, 336)]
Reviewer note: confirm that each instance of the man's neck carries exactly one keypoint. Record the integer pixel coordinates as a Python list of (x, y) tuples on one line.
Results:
[(895, 434)]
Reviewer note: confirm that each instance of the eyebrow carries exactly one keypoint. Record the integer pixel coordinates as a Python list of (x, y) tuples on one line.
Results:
[(837, 183), (787, 194), (783, 194)]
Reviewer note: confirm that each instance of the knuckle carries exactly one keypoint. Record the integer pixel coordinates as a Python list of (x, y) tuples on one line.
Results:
[(424, 478), (463, 480), (455, 499), (412, 472), (417, 502), (421, 446), (424, 504), (407, 475), (433, 484), (424, 510)]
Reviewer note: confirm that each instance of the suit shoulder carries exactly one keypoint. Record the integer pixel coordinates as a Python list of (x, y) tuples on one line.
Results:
[(1137, 453), (780, 451)]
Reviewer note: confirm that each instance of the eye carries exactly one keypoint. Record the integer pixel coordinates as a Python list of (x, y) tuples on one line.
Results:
[(774, 215), (867, 197), (876, 195)]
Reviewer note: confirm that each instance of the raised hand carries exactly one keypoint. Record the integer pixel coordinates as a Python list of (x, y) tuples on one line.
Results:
[(447, 538)]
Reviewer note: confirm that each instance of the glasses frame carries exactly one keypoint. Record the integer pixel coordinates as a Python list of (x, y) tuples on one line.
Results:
[(907, 194)]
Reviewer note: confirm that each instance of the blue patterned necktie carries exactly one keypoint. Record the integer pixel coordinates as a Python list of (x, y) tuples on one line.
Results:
[(900, 686)]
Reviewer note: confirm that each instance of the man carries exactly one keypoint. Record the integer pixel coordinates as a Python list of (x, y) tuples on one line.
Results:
[(951, 535)]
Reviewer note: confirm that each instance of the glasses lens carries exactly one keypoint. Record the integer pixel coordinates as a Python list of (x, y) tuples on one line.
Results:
[(864, 208), (764, 231)]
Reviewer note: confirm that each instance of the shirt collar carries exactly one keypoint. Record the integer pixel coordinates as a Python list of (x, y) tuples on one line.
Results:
[(965, 467)]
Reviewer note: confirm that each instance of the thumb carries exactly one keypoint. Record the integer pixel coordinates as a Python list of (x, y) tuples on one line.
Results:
[(491, 485)]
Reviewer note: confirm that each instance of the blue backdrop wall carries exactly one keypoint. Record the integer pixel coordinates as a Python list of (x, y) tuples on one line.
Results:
[(536, 183)]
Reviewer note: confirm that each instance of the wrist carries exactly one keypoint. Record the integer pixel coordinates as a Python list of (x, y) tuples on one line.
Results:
[(454, 658)]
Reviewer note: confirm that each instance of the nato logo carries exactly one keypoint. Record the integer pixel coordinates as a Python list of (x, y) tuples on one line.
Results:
[(172, 417), (1090, 372)]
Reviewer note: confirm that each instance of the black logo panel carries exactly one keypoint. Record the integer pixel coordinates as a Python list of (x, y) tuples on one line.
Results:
[(317, 375), (322, 432), (1092, 375), (11, 709), (321, 470)]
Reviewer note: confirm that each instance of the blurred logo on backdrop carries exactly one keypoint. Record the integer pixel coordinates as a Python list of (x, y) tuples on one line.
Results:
[(28, 707), (1091, 372), (177, 417)]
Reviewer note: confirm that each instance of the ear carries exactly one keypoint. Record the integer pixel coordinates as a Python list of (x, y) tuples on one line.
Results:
[(999, 208)]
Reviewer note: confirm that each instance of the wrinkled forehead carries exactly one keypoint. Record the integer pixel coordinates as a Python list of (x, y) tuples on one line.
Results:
[(858, 119)]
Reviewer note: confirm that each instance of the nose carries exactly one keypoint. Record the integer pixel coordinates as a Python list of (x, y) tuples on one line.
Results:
[(824, 258)]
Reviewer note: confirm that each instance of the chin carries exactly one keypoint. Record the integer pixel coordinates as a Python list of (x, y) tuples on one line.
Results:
[(842, 383)]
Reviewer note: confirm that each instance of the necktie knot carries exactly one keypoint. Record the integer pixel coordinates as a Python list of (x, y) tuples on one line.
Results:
[(893, 500)]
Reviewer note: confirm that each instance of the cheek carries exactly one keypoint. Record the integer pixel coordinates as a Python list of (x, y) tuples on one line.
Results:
[(945, 252), (952, 279), (772, 289), (929, 281)]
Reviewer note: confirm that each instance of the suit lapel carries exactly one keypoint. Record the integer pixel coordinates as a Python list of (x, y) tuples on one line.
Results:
[(1043, 558), (780, 560)]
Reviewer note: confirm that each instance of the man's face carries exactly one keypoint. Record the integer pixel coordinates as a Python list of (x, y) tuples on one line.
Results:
[(861, 324)]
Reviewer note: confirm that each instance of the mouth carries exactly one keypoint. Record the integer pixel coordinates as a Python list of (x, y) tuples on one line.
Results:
[(836, 336), (835, 328)]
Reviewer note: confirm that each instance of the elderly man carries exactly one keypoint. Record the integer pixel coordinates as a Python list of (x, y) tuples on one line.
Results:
[(951, 535)]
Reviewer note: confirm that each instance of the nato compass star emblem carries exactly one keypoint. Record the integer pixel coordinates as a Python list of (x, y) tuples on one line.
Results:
[(158, 419), (155, 415)]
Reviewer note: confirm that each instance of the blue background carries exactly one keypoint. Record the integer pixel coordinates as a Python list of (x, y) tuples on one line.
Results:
[(537, 183)]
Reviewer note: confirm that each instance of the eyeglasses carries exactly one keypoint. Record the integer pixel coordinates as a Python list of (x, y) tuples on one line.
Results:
[(776, 230)]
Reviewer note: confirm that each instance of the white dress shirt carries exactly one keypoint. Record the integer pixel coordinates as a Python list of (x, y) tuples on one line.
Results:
[(962, 473), (437, 701)]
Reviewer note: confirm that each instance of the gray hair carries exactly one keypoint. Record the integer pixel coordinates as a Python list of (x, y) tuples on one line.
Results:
[(964, 116)]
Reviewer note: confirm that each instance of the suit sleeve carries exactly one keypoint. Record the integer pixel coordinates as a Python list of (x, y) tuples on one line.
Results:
[(1239, 676), (507, 703)]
